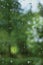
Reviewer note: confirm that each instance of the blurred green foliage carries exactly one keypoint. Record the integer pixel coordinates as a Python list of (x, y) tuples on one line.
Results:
[(21, 35)]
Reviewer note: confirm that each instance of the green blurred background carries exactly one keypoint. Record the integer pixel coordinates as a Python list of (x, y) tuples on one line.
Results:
[(21, 35)]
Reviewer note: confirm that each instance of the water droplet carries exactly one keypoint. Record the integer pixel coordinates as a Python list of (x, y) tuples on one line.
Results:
[(28, 62), (11, 61)]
